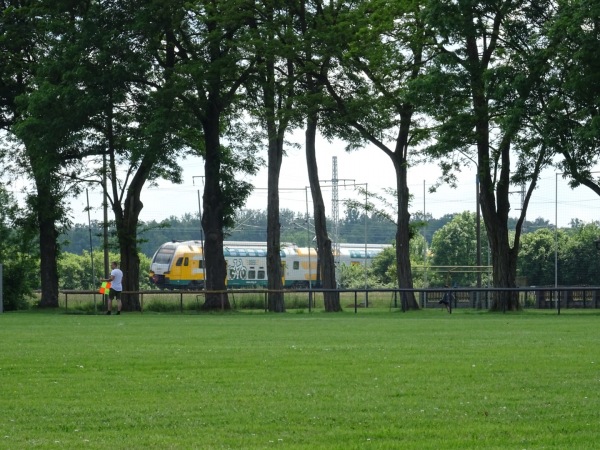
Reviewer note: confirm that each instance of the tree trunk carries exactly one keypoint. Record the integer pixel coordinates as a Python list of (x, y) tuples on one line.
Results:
[(504, 261), (495, 207), (324, 247), (48, 214), (127, 232), (493, 194), (404, 270), (274, 270), (212, 216), (275, 296), (48, 251), (126, 220)]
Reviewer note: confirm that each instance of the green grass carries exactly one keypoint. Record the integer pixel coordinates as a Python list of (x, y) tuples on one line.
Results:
[(420, 380)]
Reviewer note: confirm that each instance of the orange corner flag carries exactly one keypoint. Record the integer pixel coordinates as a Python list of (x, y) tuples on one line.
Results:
[(105, 287)]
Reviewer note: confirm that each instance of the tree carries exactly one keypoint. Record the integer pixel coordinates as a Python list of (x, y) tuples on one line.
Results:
[(314, 21), (47, 150), (383, 53), (212, 60), (144, 139), (110, 105), (484, 97), (275, 110)]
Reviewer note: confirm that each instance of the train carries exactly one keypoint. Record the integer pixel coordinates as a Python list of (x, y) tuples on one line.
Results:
[(180, 264)]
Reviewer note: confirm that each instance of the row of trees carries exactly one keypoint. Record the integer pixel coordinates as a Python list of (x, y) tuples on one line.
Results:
[(112, 93), (450, 258)]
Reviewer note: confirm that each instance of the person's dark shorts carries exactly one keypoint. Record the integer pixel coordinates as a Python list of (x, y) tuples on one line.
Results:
[(441, 302), (114, 294)]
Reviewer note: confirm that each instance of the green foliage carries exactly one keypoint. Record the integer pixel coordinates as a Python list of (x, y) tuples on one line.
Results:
[(573, 89), (576, 257), (581, 259), (381, 272), (83, 272), (383, 268), (19, 255), (454, 251), (537, 256), (356, 277)]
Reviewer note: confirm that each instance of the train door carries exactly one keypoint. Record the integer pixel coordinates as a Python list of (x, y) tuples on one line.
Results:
[(180, 273), (197, 269)]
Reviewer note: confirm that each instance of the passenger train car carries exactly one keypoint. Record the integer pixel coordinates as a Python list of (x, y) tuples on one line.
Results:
[(180, 264)]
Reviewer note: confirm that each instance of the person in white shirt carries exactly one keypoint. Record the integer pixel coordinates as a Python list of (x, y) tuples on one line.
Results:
[(116, 287)]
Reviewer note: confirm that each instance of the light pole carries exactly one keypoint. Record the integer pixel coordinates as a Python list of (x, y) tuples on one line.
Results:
[(556, 230)]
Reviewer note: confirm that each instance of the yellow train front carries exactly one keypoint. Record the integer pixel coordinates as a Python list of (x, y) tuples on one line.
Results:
[(178, 265)]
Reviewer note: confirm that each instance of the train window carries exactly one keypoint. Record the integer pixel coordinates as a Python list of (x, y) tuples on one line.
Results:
[(164, 256), (261, 274), (186, 262), (252, 274), (179, 261), (296, 265)]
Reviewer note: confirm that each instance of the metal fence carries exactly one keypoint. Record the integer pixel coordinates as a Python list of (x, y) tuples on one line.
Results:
[(556, 298)]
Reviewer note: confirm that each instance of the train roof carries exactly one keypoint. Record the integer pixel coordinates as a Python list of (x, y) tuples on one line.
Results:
[(257, 248)]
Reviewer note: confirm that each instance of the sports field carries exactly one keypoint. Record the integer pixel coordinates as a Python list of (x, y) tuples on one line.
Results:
[(417, 380)]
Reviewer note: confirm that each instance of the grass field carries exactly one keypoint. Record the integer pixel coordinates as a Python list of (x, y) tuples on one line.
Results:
[(418, 380)]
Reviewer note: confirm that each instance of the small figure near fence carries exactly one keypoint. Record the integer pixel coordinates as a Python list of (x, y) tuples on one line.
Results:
[(116, 286), (447, 300)]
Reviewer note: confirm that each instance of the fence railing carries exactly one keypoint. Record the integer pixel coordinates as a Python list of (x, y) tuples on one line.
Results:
[(308, 299)]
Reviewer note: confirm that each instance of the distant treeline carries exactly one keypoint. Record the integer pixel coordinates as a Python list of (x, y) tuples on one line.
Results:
[(251, 225)]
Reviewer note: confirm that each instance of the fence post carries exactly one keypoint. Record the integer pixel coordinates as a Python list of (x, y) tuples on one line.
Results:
[(1, 294)]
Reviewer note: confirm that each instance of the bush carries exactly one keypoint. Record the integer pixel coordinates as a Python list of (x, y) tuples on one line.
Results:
[(17, 281)]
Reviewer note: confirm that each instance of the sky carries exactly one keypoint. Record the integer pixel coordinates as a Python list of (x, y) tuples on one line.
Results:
[(368, 168)]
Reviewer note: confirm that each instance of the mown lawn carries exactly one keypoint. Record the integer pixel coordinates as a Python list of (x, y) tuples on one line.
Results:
[(418, 380)]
